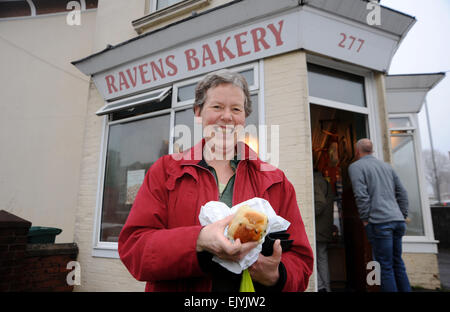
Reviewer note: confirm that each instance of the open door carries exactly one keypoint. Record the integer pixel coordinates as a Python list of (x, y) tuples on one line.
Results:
[(334, 134)]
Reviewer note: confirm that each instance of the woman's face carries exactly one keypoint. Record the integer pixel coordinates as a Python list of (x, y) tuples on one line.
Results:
[(223, 116)]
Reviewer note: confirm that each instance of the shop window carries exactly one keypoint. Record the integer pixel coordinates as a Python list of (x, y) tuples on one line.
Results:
[(404, 161), (185, 118), (336, 85), (139, 130), (132, 148), (185, 91)]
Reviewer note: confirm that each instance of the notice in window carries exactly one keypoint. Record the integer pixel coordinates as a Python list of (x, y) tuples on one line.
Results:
[(134, 182)]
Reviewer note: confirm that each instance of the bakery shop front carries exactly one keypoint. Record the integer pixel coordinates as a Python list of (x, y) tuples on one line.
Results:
[(316, 72)]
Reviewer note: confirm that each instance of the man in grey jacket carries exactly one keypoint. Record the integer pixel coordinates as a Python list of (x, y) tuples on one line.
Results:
[(382, 203)]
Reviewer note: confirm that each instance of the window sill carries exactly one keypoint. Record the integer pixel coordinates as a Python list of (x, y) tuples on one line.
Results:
[(106, 250), (419, 244), (168, 13)]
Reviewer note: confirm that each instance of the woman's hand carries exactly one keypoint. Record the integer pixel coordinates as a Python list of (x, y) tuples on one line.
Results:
[(265, 269), (211, 239)]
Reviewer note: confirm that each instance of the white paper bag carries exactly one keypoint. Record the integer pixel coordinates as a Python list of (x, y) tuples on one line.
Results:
[(214, 211)]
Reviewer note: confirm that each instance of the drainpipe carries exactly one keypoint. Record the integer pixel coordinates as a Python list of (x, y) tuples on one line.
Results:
[(438, 192)]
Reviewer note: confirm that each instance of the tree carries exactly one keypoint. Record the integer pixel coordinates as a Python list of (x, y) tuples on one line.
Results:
[(441, 174)]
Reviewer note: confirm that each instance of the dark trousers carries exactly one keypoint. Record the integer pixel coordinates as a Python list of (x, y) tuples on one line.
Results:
[(386, 241)]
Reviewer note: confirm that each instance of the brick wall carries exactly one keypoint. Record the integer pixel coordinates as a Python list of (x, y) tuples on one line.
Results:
[(45, 267), (31, 267), (97, 274), (13, 240)]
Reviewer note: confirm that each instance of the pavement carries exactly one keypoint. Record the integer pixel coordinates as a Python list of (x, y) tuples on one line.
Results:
[(444, 267)]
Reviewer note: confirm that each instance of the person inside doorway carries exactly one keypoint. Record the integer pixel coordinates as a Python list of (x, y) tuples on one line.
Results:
[(323, 205), (162, 241), (382, 203)]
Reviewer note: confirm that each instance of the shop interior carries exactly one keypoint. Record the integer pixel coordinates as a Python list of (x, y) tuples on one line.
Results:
[(334, 134)]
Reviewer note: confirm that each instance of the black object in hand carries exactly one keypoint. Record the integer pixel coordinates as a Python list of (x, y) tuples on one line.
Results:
[(283, 236)]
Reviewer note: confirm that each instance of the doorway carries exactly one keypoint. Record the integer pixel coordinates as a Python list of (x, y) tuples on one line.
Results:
[(334, 133)]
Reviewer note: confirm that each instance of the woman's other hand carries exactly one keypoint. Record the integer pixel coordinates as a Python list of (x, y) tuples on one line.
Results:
[(265, 269), (211, 239)]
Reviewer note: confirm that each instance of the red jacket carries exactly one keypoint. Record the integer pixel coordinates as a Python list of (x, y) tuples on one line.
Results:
[(158, 241)]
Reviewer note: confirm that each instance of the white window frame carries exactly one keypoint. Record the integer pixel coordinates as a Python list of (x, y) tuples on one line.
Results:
[(152, 6), (101, 248), (413, 126), (110, 249), (133, 101), (176, 86), (370, 111), (425, 243)]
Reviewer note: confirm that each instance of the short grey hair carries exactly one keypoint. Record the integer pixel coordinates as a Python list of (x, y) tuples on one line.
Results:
[(365, 146), (220, 77)]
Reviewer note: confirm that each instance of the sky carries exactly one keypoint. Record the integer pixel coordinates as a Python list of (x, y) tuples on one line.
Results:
[(426, 49)]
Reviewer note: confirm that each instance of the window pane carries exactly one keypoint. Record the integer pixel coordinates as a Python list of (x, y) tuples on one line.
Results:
[(161, 4), (186, 92), (132, 148), (400, 122), (404, 163), (184, 134), (249, 76), (253, 118), (184, 131), (252, 125), (337, 86)]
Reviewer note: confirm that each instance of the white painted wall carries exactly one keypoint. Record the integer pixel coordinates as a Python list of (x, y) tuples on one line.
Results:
[(42, 112)]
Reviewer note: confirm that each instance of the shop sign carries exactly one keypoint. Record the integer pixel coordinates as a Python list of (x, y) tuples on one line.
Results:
[(348, 41), (244, 44), (302, 28)]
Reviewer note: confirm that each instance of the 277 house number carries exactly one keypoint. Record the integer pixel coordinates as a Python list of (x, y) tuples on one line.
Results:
[(349, 42)]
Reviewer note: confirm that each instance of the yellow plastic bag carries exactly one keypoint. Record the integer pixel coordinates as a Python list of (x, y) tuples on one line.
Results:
[(246, 282)]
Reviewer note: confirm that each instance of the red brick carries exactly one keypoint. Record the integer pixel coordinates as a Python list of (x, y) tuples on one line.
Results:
[(66, 288), (47, 284), (21, 240), (7, 239), (19, 255), (6, 232), (17, 246), (21, 232), (4, 287), (53, 269)]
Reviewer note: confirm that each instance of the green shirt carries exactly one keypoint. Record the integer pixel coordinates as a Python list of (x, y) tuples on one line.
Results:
[(225, 191)]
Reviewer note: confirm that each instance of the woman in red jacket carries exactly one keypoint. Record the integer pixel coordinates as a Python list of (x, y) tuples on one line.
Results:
[(162, 241)]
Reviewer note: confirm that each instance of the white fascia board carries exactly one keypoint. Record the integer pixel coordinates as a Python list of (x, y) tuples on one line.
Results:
[(223, 18), (190, 29), (393, 22)]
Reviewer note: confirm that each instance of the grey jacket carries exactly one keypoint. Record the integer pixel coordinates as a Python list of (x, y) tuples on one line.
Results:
[(379, 194)]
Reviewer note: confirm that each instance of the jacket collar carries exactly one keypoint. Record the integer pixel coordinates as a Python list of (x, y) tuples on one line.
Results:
[(195, 154), (269, 174), (368, 156)]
